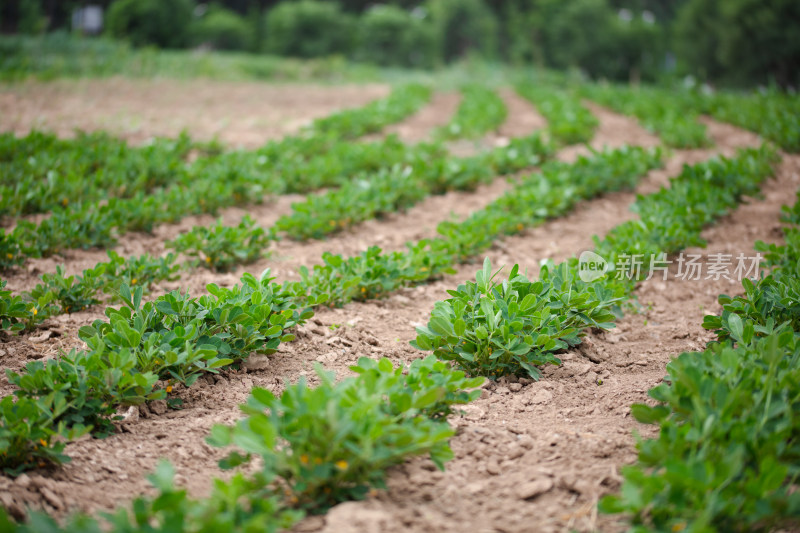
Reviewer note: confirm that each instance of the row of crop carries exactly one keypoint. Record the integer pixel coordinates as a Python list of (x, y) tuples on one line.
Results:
[(295, 164), (568, 121), (772, 114), (239, 177), (508, 331), (222, 248), (177, 337), (736, 400), (481, 110), (400, 187), (671, 115), (40, 172), (494, 328), (318, 447)]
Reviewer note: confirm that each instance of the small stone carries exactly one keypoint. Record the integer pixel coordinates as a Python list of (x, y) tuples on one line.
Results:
[(51, 498), (256, 362), (532, 489), (493, 467), (515, 387), (158, 407), (542, 396), (23, 481), (131, 415), (372, 341), (502, 390), (43, 336)]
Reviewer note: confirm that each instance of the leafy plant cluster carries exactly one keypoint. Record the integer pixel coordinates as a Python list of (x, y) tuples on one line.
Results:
[(568, 121), (494, 328), (318, 447), (222, 248), (40, 172), (320, 157), (58, 293), (550, 193), (371, 118), (481, 110), (736, 400), (174, 338), (668, 114), (771, 114), (429, 170)]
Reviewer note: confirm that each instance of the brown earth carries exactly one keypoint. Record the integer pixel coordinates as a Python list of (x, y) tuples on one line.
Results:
[(238, 114), (529, 456)]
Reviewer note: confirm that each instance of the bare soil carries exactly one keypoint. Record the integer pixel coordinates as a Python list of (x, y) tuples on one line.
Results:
[(529, 456), (238, 114)]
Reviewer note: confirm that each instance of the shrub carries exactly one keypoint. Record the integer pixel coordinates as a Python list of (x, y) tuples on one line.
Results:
[(392, 36), (163, 23), (309, 28), (221, 29), (462, 27)]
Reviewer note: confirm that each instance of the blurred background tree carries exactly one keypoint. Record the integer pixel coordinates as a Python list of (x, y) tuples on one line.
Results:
[(731, 42)]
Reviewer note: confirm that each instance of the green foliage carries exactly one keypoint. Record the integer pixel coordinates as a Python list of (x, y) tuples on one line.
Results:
[(771, 114), (568, 121), (590, 35), (13, 310), (222, 248), (309, 28), (492, 328), (371, 118), (740, 41), (240, 504), (29, 436), (463, 27), (62, 54), (673, 218), (163, 23), (222, 29), (391, 36), (770, 302), (332, 443), (481, 110), (179, 337), (550, 193), (58, 293), (89, 386), (740, 404), (138, 188), (669, 114)]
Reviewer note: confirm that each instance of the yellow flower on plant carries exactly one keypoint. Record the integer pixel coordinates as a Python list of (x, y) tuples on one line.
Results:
[(43, 442), (519, 227), (332, 223), (133, 281), (65, 202), (304, 459), (680, 526), (10, 255), (342, 465), (169, 388), (35, 311), (208, 259)]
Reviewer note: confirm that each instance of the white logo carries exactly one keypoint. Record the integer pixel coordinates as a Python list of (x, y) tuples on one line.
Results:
[(592, 267)]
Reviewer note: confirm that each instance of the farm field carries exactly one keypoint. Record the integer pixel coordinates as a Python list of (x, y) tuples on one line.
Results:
[(441, 181)]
